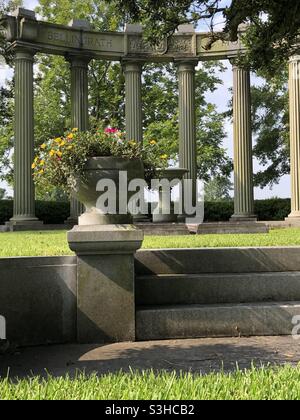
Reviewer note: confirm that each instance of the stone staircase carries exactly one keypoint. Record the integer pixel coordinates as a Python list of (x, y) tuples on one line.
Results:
[(216, 292)]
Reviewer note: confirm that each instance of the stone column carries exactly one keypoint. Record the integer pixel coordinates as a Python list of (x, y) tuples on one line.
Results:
[(133, 100), (243, 163), (80, 113), (133, 110), (294, 88), (105, 281), (187, 122), (24, 197)]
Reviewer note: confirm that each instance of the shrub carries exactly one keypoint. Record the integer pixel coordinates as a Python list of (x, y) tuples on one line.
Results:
[(266, 210), (50, 212)]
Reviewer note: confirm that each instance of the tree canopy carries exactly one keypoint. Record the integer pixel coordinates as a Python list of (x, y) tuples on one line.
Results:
[(273, 24), (106, 92)]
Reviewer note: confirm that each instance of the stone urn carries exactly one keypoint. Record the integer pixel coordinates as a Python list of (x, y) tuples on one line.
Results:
[(90, 189), (165, 211)]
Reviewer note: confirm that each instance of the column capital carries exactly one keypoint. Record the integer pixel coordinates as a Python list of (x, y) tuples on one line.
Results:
[(78, 60), (236, 66), (186, 65), (294, 58), (24, 53), (130, 65)]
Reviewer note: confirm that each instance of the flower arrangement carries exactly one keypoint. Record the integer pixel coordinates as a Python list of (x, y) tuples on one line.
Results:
[(60, 161)]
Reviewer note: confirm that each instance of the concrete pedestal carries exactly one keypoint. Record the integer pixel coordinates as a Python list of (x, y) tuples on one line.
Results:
[(105, 281)]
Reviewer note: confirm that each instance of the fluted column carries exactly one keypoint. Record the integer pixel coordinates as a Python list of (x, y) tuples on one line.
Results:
[(133, 100), (294, 88), (243, 161), (80, 113), (187, 122), (24, 198)]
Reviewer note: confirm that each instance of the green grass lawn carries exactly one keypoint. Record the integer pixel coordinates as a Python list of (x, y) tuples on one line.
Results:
[(262, 384), (55, 243)]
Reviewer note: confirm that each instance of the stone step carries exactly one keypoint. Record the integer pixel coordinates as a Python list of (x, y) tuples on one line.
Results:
[(217, 288), (197, 321), (229, 228), (217, 260), (164, 229)]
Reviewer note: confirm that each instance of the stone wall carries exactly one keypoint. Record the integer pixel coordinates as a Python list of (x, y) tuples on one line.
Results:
[(38, 299), (38, 296)]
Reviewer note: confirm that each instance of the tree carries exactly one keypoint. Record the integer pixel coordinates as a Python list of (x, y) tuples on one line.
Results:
[(106, 80), (160, 93), (270, 107), (218, 189), (2, 193), (271, 38)]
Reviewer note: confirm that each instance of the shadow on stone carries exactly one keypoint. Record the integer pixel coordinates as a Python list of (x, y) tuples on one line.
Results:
[(196, 356)]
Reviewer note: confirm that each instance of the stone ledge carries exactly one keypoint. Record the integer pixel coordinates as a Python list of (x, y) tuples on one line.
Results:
[(196, 321)]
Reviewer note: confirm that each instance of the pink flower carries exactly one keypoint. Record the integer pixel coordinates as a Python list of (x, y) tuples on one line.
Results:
[(110, 130)]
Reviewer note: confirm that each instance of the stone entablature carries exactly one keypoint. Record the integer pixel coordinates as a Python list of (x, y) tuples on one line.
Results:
[(59, 39)]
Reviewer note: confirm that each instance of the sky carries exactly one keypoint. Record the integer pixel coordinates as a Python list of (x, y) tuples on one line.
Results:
[(221, 99)]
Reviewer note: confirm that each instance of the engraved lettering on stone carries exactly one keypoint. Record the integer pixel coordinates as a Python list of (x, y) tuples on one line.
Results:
[(97, 42), (66, 38)]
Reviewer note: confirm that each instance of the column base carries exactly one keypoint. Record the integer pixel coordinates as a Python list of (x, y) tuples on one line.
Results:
[(294, 215), (141, 218), (71, 221), (105, 276), (15, 225), (243, 218), (293, 218)]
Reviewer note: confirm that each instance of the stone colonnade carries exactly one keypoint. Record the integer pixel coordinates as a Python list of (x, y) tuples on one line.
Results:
[(24, 208)]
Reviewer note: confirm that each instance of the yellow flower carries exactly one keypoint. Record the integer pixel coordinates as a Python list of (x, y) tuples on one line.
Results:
[(33, 166), (36, 159), (132, 143), (42, 162), (58, 140), (153, 142), (74, 130), (62, 143), (59, 153), (69, 147), (70, 136), (43, 146), (41, 171), (52, 152), (164, 156)]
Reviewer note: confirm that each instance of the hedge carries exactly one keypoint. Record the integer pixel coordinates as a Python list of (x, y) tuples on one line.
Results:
[(51, 212), (266, 210)]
